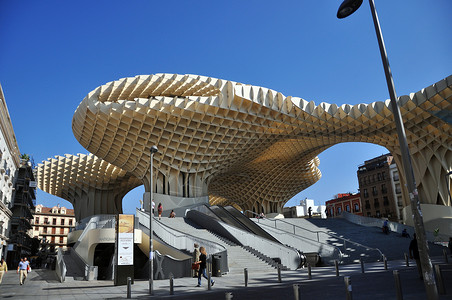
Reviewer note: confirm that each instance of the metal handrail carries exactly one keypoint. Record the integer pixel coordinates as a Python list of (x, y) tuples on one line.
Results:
[(317, 232)]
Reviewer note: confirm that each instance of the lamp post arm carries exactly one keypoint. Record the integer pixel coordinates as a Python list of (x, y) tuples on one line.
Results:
[(427, 268)]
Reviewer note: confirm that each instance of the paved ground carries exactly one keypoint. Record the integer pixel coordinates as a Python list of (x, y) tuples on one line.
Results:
[(375, 283)]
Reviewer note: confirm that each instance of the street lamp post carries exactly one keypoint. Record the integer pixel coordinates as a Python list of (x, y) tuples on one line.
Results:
[(347, 8), (447, 185), (153, 150)]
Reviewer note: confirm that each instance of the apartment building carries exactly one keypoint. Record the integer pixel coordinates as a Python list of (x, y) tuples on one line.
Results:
[(377, 188), (51, 226), (9, 162)]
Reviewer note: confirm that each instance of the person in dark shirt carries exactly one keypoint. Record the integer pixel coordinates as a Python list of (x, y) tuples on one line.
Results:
[(202, 266), (414, 254)]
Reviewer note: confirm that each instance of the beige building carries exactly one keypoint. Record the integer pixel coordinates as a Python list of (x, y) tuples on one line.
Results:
[(52, 225)]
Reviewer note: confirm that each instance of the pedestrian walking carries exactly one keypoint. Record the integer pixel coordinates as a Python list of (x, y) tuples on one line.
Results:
[(414, 254), (23, 269), (3, 269), (196, 254), (203, 266), (160, 210)]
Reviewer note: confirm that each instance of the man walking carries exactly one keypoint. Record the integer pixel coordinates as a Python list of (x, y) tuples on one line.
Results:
[(22, 270), (414, 253)]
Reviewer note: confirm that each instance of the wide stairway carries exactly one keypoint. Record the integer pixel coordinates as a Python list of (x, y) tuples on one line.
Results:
[(338, 231), (238, 257)]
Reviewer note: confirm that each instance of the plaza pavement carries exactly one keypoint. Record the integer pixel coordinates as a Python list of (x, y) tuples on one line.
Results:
[(375, 283)]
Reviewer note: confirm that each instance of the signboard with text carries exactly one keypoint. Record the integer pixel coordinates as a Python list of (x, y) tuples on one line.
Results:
[(125, 240)]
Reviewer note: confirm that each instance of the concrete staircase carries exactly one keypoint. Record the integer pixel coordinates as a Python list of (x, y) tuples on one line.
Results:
[(393, 246), (238, 257), (352, 250)]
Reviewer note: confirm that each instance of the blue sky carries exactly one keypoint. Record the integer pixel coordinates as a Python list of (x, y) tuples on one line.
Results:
[(53, 53)]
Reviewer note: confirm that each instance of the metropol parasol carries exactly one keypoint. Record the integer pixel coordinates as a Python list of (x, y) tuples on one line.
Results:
[(229, 143)]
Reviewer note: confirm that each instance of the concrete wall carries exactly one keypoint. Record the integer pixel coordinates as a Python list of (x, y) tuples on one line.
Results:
[(434, 216)]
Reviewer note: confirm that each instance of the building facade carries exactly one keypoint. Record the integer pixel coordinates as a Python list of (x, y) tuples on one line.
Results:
[(376, 187), (9, 162), (51, 226), (23, 204), (348, 202)]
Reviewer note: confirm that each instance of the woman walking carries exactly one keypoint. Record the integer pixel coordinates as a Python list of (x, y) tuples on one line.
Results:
[(3, 269), (202, 266)]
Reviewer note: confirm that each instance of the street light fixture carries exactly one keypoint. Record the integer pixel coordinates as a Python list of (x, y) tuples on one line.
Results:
[(153, 150), (347, 8)]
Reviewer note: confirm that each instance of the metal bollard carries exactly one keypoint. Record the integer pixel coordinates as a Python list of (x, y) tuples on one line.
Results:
[(398, 285), (407, 261), (296, 291), (279, 273), (129, 287), (348, 288), (171, 285), (362, 265), (336, 266), (445, 256), (245, 271), (228, 296), (309, 272), (209, 284), (385, 261), (439, 279)]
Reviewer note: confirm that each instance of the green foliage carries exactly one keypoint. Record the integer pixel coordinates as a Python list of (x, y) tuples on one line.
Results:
[(25, 156)]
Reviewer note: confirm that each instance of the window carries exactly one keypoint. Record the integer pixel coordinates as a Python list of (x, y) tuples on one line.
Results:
[(385, 201), (347, 208), (37, 228), (61, 230), (374, 191), (356, 207), (54, 221), (376, 203), (339, 210), (379, 176), (46, 220), (53, 230), (383, 175), (44, 230), (61, 240), (70, 222), (366, 194), (62, 222), (384, 190), (37, 220), (367, 204)]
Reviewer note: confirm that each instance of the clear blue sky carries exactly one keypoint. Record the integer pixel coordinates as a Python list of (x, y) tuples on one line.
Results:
[(53, 53)]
